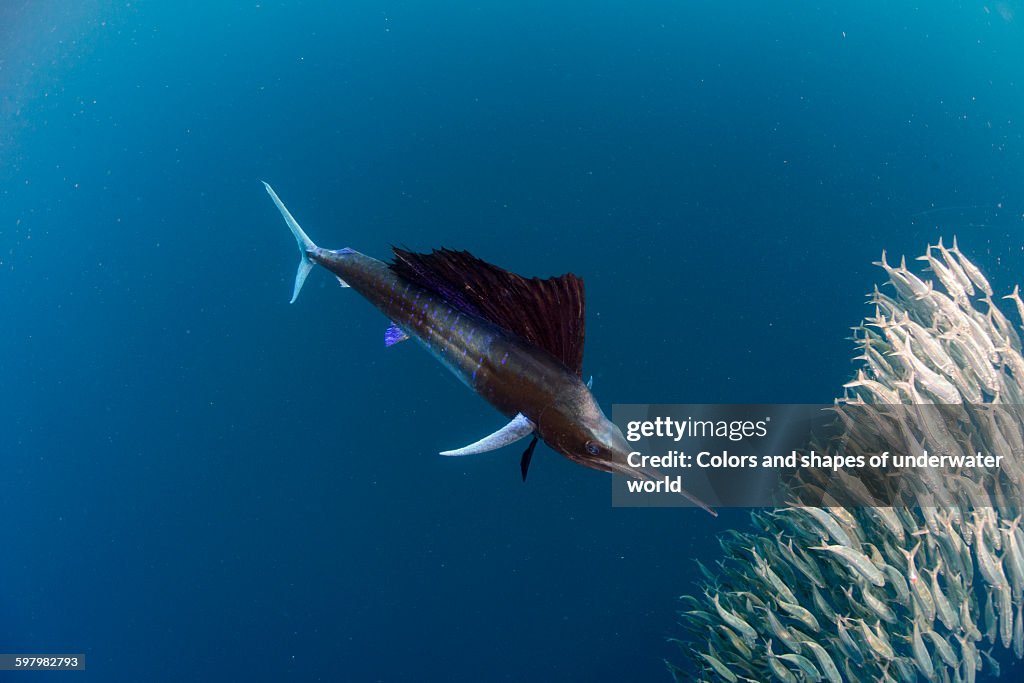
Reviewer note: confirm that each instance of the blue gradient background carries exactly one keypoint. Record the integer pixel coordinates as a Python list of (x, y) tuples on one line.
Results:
[(200, 482)]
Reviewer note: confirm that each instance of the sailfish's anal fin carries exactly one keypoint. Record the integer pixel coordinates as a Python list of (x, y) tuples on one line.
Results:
[(520, 427)]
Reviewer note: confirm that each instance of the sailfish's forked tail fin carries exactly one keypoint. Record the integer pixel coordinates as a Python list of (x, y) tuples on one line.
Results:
[(305, 244)]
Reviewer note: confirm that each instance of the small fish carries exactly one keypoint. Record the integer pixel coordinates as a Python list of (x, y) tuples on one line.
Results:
[(922, 659), (1015, 297), (855, 561), (972, 271), (948, 279), (957, 270), (827, 522), (991, 566), (898, 583), (847, 643), (736, 642), (822, 605), (805, 665), (828, 667), (888, 518), (1014, 557), (991, 619), (877, 606), (969, 656), (764, 571), (942, 648), (1018, 631), (943, 609), (719, 668), (800, 614), (786, 636), (746, 631), (778, 670), (991, 663), (918, 588), (1004, 608), (882, 648), (967, 623)]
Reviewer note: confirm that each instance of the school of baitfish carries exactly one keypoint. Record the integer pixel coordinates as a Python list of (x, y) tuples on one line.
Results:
[(924, 591)]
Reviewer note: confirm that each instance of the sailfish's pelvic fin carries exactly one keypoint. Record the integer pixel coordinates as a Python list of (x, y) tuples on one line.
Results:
[(518, 428), (305, 244), (524, 461), (394, 334)]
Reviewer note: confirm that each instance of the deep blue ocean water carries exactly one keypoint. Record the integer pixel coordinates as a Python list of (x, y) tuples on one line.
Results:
[(201, 482)]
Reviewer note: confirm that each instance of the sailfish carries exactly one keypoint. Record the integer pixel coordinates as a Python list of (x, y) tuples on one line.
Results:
[(515, 341)]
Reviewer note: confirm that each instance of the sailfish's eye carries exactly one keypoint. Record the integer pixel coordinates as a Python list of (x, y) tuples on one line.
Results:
[(593, 448)]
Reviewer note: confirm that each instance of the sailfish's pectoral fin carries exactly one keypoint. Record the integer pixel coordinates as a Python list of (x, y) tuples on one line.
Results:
[(518, 428)]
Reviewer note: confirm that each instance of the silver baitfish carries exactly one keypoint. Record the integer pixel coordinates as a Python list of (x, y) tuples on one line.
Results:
[(908, 588)]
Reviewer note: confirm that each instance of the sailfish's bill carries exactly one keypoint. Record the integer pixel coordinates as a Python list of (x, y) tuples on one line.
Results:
[(515, 341)]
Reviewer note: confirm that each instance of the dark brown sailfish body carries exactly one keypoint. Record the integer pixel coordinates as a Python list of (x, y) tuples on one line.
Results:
[(517, 342)]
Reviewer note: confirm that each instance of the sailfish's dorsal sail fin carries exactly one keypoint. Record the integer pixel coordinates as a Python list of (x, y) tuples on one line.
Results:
[(547, 313)]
